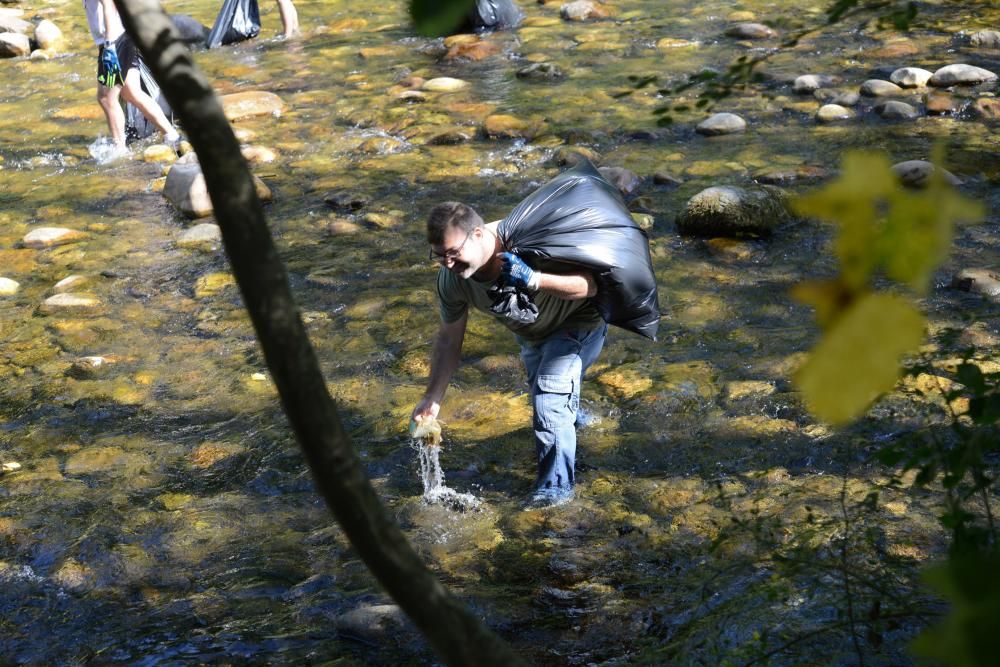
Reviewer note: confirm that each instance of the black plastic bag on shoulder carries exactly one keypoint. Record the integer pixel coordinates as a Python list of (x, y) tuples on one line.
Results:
[(579, 221)]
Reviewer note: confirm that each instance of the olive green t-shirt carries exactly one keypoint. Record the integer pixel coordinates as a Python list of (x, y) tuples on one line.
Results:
[(456, 293)]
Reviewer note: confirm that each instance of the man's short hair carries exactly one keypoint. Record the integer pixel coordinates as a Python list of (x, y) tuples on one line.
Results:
[(450, 214)]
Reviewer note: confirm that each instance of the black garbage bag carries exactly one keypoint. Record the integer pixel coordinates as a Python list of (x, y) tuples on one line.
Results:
[(513, 303), (193, 33), (138, 126), (579, 221), (492, 15), (238, 20)]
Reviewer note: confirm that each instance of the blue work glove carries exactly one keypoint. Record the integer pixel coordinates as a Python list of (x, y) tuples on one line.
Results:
[(109, 63), (518, 274)]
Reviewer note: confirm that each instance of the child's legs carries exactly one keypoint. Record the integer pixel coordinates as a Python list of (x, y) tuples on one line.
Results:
[(134, 94), (108, 99)]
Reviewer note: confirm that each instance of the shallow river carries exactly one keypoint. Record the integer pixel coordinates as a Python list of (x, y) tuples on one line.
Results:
[(163, 514)]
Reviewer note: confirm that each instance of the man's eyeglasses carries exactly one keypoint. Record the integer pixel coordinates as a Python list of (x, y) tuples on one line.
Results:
[(452, 254)]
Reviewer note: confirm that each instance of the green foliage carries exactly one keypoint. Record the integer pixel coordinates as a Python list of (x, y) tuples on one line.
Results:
[(437, 18), (968, 636)]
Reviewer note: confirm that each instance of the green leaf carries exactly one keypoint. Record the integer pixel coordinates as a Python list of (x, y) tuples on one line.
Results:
[(968, 635), (859, 357), (437, 18)]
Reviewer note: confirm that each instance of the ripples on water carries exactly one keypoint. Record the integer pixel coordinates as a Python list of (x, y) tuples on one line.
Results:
[(163, 514)]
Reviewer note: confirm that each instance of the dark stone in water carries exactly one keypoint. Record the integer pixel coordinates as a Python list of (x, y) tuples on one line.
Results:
[(978, 281), (344, 201), (541, 72)]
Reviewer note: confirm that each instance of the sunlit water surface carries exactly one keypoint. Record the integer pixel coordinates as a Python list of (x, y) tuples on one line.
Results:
[(163, 514)]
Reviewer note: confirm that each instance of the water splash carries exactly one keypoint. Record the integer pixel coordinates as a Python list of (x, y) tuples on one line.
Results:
[(426, 439), (104, 151)]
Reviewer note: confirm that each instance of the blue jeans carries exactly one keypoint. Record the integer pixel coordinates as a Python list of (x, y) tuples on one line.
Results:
[(555, 368)]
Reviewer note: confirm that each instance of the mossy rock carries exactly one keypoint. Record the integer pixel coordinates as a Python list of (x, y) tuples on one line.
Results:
[(753, 211)]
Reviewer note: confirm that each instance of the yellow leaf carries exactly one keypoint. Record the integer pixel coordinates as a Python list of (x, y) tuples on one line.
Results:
[(854, 202), (829, 297), (858, 359)]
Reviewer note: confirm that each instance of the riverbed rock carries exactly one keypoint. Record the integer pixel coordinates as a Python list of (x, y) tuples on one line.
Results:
[(69, 302), (248, 104), (48, 35), (9, 287), (583, 10), (341, 227), (626, 181), (85, 368), (474, 51), (978, 281), (960, 75), (505, 126), (379, 623), (541, 72), (570, 156), (721, 123), (810, 83), (896, 110), (733, 211), (751, 31), (880, 88), (14, 45), (49, 237), (200, 236), (986, 108), (159, 153), (15, 24), (910, 77), (830, 113), (258, 154), (444, 84), (917, 173), (938, 102), (341, 200), (668, 43), (985, 39), (185, 188), (844, 98)]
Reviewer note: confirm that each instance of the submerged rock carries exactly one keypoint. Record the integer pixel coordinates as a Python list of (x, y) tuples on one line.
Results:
[(734, 211), (880, 88), (626, 181), (751, 31), (978, 281), (895, 110), (985, 39), (960, 75), (916, 173), (185, 188), (70, 302), (809, 83), (238, 106), (9, 287), (829, 113), (583, 10), (444, 84), (48, 237), (200, 235), (986, 108), (721, 123), (541, 72)]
